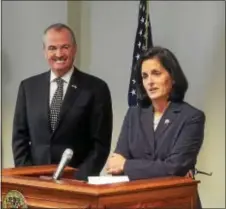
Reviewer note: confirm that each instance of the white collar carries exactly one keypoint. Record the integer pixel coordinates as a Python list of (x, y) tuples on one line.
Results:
[(66, 77)]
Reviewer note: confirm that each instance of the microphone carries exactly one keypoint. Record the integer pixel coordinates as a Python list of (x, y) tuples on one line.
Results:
[(66, 157)]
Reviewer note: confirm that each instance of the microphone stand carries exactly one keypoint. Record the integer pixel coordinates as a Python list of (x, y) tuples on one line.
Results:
[(196, 171)]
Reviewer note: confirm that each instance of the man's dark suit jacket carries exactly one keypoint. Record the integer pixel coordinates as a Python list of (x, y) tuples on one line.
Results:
[(170, 150), (85, 124)]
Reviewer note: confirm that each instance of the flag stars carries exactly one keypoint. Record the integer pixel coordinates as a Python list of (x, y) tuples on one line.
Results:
[(142, 19), (142, 42), (133, 92)]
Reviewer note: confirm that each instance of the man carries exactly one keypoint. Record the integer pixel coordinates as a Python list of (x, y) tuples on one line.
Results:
[(84, 124)]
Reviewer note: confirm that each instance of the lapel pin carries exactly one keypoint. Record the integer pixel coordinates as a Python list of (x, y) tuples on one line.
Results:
[(74, 86), (167, 121)]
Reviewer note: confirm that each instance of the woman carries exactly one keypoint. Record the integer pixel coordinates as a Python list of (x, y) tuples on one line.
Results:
[(163, 135)]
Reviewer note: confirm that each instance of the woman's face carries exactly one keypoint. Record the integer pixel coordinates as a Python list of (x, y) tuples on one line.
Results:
[(156, 80)]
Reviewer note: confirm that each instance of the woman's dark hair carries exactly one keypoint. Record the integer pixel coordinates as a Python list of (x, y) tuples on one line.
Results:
[(171, 64)]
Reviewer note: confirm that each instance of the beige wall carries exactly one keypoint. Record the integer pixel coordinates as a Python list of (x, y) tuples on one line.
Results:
[(78, 19), (212, 155)]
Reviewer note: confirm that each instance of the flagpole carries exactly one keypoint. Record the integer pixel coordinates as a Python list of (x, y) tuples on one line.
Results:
[(146, 25)]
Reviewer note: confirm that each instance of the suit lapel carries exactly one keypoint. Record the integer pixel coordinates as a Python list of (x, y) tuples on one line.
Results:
[(147, 126), (166, 121), (71, 95), (42, 98)]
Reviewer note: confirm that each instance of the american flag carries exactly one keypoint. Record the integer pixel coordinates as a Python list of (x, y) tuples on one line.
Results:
[(143, 41)]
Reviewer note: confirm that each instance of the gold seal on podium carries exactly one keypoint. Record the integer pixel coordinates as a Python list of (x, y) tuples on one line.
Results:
[(14, 199)]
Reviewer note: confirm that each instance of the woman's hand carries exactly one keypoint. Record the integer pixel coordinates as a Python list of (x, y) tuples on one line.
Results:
[(115, 164)]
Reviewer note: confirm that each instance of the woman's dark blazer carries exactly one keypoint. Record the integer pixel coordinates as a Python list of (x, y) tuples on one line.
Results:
[(170, 150)]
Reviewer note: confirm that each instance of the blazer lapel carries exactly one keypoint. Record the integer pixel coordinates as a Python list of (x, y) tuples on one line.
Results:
[(166, 121), (43, 101), (147, 126)]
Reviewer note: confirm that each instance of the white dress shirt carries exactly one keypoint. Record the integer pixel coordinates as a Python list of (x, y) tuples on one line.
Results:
[(156, 121), (53, 84)]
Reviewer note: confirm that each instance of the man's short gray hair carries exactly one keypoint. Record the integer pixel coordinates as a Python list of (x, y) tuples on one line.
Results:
[(59, 27)]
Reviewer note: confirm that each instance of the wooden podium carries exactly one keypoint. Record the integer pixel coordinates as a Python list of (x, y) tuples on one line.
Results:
[(44, 192)]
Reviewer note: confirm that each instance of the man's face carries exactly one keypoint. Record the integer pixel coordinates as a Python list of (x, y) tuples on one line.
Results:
[(59, 50)]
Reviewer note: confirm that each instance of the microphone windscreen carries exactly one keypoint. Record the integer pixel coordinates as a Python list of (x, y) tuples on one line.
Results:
[(68, 153)]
